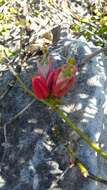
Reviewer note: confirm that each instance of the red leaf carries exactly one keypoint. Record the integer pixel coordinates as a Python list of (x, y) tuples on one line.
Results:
[(40, 88)]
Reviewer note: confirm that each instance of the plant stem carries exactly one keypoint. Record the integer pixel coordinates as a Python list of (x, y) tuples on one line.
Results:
[(83, 168), (50, 103), (93, 145), (76, 161)]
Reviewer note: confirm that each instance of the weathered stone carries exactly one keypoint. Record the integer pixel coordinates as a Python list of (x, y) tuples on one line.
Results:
[(36, 158)]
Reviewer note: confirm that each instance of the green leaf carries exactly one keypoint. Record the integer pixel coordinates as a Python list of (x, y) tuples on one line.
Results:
[(96, 146), (3, 28), (2, 2), (1, 16), (9, 52), (83, 170), (12, 10), (87, 19), (21, 22), (102, 30), (103, 21), (75, 27), (36, 13), (70, 61)]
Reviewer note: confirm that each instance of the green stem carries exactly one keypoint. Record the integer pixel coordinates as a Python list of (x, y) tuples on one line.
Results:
[(93, 145), (77, 162), (25, 88), (83, 168), (51, 104)]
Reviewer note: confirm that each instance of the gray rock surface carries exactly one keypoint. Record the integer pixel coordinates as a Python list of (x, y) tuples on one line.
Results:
[(36, 158)]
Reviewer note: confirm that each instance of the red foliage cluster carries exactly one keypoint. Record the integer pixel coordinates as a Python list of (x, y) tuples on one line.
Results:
[(53, 82)]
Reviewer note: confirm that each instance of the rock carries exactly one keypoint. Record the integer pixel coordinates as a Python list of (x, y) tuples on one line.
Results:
[(37, 158)]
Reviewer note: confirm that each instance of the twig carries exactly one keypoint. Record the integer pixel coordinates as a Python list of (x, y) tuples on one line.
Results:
[(5, 136), (11, 84), (80, 165), (5, 144), (16, 116), (87, 58), (15, 74), (9, 87), (77, 163)]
